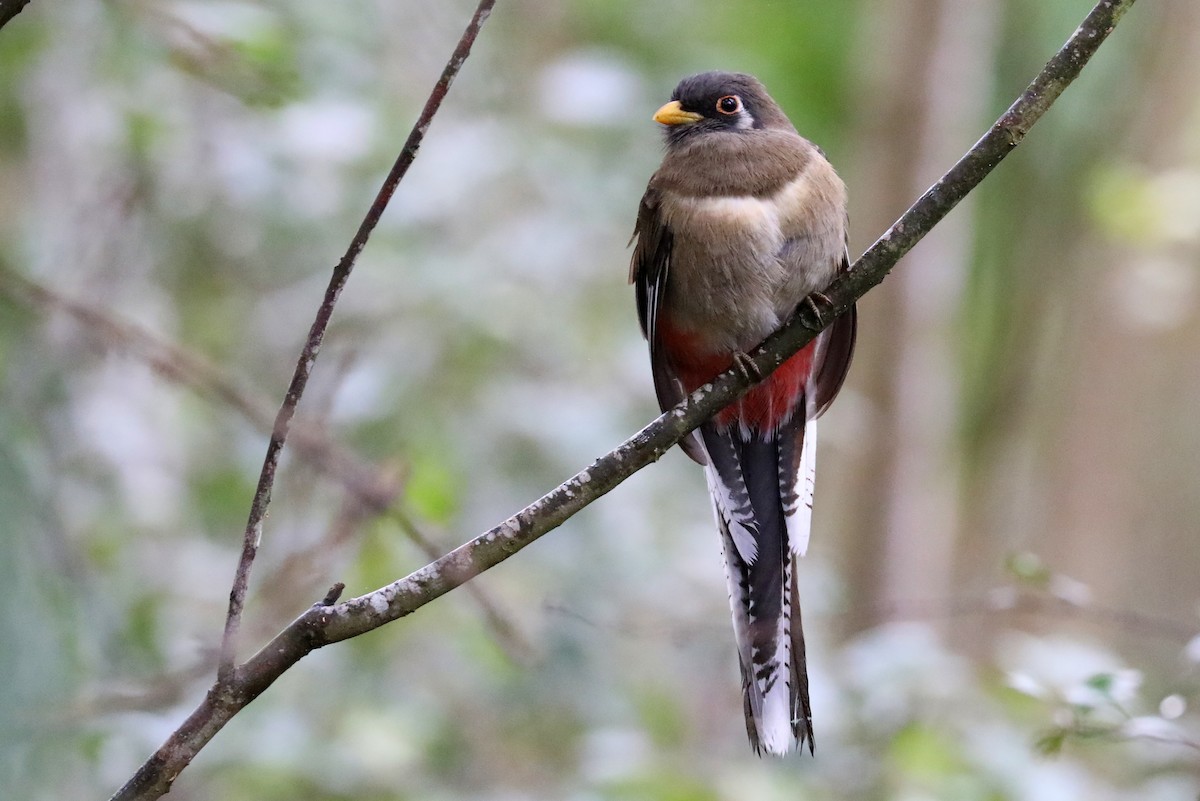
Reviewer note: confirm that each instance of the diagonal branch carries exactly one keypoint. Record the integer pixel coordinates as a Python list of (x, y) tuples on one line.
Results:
[(505, 632), (330, 622), (308, 356)]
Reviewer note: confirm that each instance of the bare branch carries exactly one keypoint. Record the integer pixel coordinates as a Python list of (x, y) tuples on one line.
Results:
[(316, 334), (509, 637), (322, 625)]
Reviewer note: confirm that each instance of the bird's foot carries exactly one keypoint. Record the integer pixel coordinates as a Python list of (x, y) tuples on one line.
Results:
[(746, 366), (814, 309)]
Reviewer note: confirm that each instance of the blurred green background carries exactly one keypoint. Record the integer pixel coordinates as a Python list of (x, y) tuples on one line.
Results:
[(1002, 594)]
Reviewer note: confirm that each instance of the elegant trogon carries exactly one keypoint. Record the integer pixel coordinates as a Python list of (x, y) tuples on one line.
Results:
[(741, 223)]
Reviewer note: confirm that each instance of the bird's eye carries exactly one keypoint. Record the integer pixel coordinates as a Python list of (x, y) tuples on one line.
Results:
[(729, 104)]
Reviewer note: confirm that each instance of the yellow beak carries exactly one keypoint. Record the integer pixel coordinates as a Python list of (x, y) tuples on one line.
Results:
[(673, 114)]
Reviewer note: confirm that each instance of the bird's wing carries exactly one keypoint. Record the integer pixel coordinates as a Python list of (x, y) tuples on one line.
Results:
[(835, 352), (648, 272)]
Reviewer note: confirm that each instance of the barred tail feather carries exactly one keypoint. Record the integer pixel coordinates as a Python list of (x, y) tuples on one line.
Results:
[(757, 494), (797, 479)]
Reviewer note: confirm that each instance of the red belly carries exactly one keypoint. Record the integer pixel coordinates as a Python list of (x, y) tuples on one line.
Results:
[(765, 405)]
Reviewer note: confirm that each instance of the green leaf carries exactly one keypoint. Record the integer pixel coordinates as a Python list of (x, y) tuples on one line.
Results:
[(1051, 743), (1101, 682)]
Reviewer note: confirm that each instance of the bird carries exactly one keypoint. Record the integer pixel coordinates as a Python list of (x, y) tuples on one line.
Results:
[(743, 222)]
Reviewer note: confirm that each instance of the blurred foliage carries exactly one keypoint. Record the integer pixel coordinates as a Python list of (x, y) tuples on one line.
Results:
[(197, 168)]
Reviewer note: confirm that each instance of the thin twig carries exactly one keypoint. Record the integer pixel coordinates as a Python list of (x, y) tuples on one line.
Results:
[(998, 605), (334, 593), (372, 489), (1181, 741), (371, 486), (1019, 601), (308, 356), (323, 625)]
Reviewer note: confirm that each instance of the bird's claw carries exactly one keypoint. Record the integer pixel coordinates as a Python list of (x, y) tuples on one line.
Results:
[(813, 310), (746, 366)]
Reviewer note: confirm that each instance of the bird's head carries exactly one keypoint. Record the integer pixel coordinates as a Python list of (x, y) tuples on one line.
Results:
[(718, 102)]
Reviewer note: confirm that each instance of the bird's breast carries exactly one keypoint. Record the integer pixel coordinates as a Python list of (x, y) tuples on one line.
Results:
[(730, 282)]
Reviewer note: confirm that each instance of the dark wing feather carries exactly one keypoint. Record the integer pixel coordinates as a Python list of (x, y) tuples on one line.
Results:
[(648, 273), (651, 259), (837, 351)]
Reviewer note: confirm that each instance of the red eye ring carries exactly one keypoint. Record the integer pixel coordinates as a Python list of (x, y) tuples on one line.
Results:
[(729, 105)]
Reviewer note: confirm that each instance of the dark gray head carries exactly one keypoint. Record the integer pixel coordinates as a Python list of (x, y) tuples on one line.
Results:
[(719, 101)]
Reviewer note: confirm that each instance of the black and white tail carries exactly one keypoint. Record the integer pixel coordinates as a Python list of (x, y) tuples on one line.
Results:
[(762, 489)]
